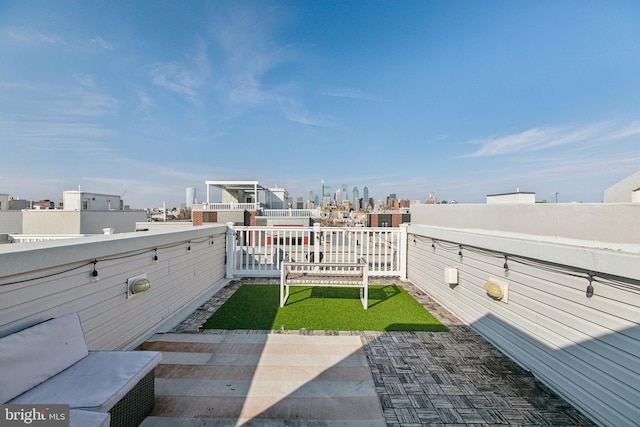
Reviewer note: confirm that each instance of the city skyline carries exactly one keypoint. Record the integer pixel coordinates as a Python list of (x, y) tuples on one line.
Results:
[(469, 99)]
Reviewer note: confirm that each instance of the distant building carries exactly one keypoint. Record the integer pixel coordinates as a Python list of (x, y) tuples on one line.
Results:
[(388, 219), (517, 197), (44, 204), (432, 199), (625, 191), (356, 198), (77, 200), (191, 197), (84, 214), (249, 203), (13, 204), (277, 198)]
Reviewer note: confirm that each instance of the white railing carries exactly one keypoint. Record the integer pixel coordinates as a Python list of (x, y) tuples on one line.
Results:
[(231, 206), (27, 238), (291, 212), (260, 251)]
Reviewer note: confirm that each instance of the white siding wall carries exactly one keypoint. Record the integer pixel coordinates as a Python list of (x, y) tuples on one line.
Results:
[(10, 221), (604, 222), (92, 222), (110, 320), (586, 349)]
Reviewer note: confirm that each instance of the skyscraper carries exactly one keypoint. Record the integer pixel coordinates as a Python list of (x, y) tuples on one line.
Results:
[(356, 198), (365, 194), (191, 197)]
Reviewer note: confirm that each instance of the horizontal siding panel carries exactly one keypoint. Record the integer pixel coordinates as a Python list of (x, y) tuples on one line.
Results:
[(109, 319), (587, 349), (575, 385)]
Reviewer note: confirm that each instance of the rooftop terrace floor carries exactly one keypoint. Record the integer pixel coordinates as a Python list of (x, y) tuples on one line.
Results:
[(453, 378)]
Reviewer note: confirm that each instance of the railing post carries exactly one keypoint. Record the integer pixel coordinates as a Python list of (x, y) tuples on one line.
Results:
[(316, 242), (231, 251), (402, 252)]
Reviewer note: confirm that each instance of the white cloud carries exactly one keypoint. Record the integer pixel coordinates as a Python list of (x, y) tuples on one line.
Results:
[(542, 138), (30, 38), (298, 113), (176, 78), (630, 129), (57, 118), (186, 77), (99, 41)]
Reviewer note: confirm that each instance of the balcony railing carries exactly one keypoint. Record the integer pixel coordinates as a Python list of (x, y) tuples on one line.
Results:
[(259, 251), (231, 206), (299, 213), (309, 213)]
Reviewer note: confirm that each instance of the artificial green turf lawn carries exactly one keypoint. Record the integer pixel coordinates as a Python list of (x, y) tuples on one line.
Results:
[(391, 308)]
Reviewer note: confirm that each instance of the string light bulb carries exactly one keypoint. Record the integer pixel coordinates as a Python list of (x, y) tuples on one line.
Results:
[(589, 292), (506, 266), (94, 273)]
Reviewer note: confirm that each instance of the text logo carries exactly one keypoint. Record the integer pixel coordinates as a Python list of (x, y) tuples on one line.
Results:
[(13, 415)]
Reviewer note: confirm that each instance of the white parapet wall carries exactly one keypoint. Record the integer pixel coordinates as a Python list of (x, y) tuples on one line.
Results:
[(42, 280), (567, 310), (604, 222)]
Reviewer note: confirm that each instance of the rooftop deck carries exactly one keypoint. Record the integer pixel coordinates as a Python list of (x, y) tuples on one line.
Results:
[(453, 378), (567, 323)]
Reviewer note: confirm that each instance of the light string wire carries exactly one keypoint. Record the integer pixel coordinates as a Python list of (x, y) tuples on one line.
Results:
[(602, 278), (114, 258)]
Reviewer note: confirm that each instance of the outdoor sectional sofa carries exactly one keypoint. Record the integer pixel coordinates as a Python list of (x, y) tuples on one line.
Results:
[(49, 363)]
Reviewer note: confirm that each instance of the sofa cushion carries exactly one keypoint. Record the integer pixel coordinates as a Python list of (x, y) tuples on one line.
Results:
[(96, 382), (80, 418), (31, 356)]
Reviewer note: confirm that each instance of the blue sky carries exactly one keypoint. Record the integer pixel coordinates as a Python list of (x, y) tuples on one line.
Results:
[(466, 98)]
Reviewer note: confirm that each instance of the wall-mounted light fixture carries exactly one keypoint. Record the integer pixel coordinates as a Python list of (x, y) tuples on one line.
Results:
[(506, 266), (460, 253), (155, 255), (497, 289), (137, 285), (189, 245)]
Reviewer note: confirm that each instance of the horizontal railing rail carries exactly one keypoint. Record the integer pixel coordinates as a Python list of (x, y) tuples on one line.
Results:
[(231, 206), (260, 251), (291, 212)]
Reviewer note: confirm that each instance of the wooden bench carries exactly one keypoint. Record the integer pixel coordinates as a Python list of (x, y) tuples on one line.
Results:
[(354, 275)]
